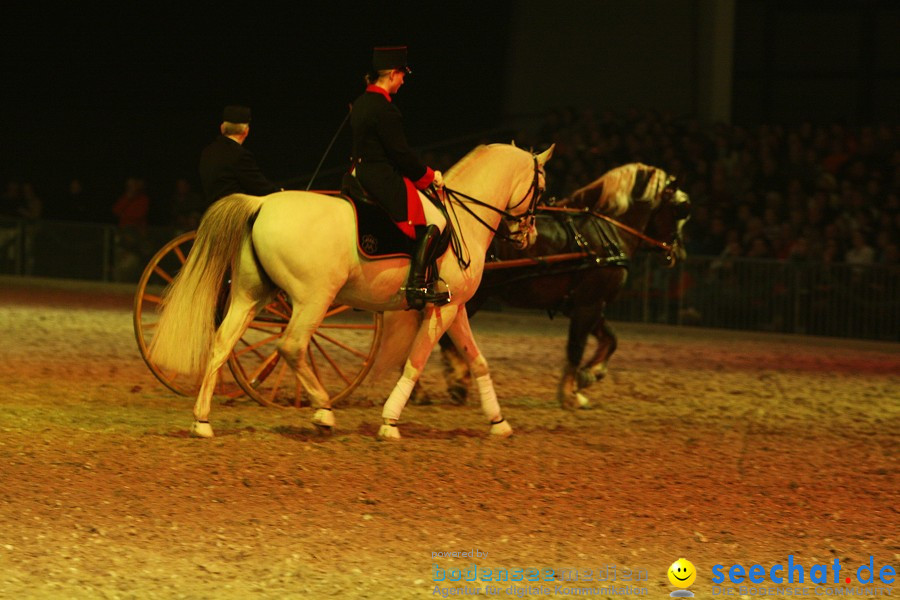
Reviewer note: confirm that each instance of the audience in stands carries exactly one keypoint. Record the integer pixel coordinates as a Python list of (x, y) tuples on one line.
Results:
[(828, 193), (824, 192)]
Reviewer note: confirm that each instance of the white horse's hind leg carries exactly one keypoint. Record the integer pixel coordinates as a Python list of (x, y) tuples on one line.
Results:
[(461, 333), (238, 317), (294, 349)]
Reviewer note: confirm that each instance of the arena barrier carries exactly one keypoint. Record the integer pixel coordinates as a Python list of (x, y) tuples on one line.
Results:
[(838, 300)]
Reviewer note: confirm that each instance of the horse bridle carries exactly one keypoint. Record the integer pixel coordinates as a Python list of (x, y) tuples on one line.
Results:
[(526, 220)]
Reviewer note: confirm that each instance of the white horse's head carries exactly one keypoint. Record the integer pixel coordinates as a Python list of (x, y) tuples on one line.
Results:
[(506, 180), (522, 231)]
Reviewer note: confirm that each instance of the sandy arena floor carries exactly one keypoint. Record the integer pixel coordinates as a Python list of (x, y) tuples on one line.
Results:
[(717, 446)]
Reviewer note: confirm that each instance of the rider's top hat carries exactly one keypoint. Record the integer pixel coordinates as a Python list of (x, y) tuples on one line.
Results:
[(236, 114), (390, 57)]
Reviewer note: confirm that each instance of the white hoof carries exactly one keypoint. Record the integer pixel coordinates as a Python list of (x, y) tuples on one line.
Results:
[(501, 429), (202, 430), (581, 401), (389, 433), (324, 420)]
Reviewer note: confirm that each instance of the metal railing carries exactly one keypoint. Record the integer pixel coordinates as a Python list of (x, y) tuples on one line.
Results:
[(87, 251), (838, 300)]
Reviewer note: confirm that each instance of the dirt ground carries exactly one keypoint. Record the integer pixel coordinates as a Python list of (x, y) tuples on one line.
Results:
[(716, 446)]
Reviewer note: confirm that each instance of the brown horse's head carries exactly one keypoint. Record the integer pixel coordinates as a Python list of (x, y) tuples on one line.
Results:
[(668, 220)]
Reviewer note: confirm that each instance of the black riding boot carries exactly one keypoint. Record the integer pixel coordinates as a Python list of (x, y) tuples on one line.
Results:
[(419, 289)]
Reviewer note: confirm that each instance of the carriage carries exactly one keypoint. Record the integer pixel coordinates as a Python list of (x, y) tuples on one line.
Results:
[(344, 345)]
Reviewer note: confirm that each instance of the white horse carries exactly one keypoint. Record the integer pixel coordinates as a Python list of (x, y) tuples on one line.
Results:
[(305, 244)]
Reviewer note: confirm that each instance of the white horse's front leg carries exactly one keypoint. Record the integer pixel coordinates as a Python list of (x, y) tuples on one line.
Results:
[(433, 326), (393, 406), (461, 333), (490, 406)]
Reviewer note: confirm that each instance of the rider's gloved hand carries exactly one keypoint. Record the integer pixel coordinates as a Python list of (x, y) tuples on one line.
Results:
[(438, 180)]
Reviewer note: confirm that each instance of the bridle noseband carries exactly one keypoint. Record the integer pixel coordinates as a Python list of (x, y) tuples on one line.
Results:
[(526, 220)]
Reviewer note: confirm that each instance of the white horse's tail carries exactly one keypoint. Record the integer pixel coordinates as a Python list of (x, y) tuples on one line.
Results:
[(186, 329)]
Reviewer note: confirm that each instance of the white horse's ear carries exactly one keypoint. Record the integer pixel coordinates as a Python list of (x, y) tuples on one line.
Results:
[(544, 156), (513, 144)]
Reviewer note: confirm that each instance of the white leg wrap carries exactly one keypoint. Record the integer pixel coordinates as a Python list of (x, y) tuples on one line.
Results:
[(393, 406), (489, 403)]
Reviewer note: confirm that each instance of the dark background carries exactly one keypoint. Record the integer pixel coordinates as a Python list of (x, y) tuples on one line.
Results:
[(130, 91), (105, 93)]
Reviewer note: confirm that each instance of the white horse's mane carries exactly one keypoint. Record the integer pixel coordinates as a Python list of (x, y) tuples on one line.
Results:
[(611, 193), (466, 160), (471, 157)]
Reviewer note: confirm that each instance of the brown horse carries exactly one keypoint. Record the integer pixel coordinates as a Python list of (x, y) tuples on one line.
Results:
[(578, 266)]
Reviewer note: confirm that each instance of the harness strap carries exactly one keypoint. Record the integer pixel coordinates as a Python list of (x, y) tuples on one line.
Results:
[(639, 234)]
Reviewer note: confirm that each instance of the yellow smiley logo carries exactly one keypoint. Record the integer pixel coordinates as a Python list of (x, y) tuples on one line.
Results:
[(682, 573)]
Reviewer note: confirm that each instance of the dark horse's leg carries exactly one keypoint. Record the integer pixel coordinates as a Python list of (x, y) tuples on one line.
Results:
[(456, 374), (582, 322), (597, 290), (595, 369), (456, 369)]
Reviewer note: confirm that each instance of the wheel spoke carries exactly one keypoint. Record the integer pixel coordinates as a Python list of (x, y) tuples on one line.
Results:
[(255, 346), (336, 310), (328, 358), (279, 308), (152, 298), (340, 353), (337, 343), (258, 325), (265, 366), (164, 274), (279, 376)]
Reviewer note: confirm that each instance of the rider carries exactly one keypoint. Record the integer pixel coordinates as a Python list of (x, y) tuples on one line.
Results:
[(226, 167), (390, 172)]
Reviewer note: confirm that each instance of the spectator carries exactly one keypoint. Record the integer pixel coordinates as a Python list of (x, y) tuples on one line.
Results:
[(74, 206), (812, 176), (133, 206), (31, 206), (132, 210), (186, 206), (11, 202), (860, 252)]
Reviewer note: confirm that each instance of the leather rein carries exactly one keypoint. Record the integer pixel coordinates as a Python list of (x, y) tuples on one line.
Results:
[(456, 198), (535, 192)]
